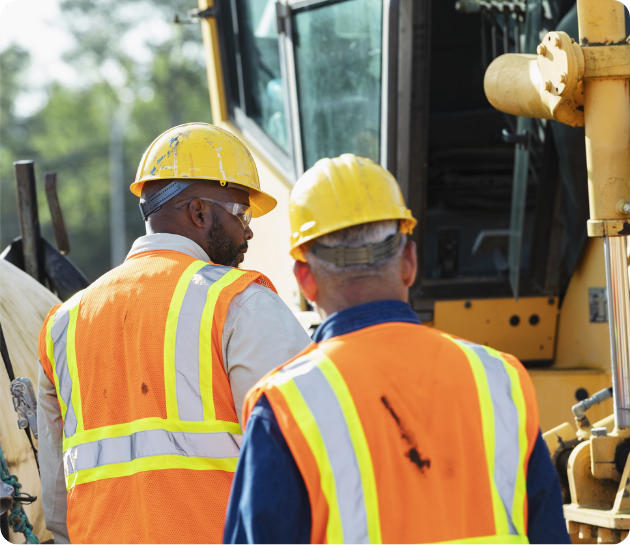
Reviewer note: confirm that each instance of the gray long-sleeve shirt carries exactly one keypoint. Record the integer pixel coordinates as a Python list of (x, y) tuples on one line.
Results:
[(260, 333)]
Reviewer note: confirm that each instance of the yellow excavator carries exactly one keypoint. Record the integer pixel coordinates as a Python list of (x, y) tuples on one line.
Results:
[(481, 109), (587, 83), (501, 199)]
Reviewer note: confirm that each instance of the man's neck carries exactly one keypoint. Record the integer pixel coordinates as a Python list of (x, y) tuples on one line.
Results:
[(358, 294)]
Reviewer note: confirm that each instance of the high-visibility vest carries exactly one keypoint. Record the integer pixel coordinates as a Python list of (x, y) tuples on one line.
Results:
[(150, 433), (404, 434)]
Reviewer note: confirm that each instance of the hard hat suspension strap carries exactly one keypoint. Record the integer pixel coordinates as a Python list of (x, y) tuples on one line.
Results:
[(155, 201), (364, 255)]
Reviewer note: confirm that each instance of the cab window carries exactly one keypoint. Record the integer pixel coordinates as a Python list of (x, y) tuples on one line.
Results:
[(262, 79), (338, 59)]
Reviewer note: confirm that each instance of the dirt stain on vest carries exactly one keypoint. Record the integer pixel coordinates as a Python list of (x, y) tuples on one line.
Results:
[(105, 393), (413, 454), (145, 389)]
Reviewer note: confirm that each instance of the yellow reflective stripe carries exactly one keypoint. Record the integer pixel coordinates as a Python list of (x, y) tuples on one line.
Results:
[(170, 335), (308, 426), (492, 539), (205, 342), (487, 421), (50, 352), (520, 487), (73, 370), (153, 423), (149, 463), (359, 442)]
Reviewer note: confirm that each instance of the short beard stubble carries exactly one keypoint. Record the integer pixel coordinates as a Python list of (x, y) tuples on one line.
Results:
[(221, 250)]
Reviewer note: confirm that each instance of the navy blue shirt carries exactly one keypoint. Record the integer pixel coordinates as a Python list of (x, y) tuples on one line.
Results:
[(269, 501)]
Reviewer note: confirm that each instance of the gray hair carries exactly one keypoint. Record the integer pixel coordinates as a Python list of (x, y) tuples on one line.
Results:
[(355, 237)]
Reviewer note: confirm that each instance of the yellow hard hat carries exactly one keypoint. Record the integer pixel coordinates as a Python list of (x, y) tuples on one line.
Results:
[(200, 151), (342, 192)]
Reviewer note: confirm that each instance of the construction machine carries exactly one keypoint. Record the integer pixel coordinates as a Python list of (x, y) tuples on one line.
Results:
[(586, 82), (502, 199)]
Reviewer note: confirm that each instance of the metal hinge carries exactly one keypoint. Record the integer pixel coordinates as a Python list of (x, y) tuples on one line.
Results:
[(282, 17)]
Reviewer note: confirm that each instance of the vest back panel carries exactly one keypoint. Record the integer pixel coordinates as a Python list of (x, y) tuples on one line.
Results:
[(150, 428), (416, 398)]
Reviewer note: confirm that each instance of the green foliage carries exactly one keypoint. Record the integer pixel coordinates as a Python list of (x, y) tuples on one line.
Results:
[(70, 133)]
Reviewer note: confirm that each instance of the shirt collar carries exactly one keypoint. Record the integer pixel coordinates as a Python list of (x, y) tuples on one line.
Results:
[(168, 241), (362, 316)]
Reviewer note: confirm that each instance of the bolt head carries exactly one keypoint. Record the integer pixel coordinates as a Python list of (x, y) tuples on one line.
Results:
[(563, 78), (541, 50), (558, 42), (547, 86)]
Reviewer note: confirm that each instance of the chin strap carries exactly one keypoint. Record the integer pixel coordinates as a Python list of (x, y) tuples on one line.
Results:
[(364, 255), (155, 201)]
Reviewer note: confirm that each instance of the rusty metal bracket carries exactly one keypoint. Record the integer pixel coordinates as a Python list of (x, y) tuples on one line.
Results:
[(29, 219), (61, 235)]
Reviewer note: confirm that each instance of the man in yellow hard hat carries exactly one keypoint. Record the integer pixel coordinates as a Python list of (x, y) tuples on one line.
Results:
[(384, 430), (144, 373)]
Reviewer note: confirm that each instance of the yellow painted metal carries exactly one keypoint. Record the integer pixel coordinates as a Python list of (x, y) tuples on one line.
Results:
[(580, 342), (607, 114), (555, 391), (216, 84), (607, 62), (487, 322), (546, 86), (512, 84)]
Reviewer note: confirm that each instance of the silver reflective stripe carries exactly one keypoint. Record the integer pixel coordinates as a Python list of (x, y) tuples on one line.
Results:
[(187, 384), (506, 426), (324, 405), (59, 335), (116, 450)]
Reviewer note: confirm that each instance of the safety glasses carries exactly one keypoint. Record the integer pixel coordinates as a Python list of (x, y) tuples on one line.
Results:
[(242, 211)]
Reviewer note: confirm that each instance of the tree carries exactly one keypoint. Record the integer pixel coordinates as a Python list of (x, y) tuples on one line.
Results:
[(70, 133)]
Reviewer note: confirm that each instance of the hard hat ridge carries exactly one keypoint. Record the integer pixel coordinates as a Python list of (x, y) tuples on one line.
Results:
[(343, 192)]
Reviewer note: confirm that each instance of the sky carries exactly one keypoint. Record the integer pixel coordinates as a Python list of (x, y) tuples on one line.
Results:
[(38, 27)]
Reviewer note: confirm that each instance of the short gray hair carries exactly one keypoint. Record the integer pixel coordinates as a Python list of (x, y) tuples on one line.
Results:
[(355, 237)]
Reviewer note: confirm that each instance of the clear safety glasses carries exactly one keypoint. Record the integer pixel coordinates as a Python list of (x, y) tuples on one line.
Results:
[(242, 211)]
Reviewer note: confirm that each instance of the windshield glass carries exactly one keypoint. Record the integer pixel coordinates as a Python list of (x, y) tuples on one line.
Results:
[(262, 81), (338, 70)]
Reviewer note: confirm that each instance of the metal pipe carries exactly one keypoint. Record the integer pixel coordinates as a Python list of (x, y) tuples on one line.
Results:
[(29, 219), (580, 408), (616, 255)]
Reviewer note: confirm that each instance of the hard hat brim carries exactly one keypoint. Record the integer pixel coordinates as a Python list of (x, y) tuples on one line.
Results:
[(261, 202)]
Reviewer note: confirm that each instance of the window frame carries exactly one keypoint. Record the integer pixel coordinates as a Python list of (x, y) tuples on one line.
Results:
[(389, 71), (291, 165), (257, 138)]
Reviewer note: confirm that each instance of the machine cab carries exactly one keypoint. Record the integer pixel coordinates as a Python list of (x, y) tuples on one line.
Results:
[(501, 202)]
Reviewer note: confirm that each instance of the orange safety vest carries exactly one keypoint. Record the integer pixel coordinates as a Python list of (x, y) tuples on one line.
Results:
[(150, 433), (404, 434)]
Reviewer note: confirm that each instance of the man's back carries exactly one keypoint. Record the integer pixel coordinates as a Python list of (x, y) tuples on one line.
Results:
[(151, 435), (432, 438)]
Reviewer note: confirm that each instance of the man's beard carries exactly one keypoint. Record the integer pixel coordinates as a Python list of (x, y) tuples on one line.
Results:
[(221, 249)]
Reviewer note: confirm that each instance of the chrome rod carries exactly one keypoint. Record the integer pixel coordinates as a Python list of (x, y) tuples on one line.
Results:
[(616, 252)]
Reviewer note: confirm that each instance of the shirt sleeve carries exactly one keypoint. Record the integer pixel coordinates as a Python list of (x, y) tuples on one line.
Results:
[(50, 443), (260, 333), (546, 523), (269, 501)]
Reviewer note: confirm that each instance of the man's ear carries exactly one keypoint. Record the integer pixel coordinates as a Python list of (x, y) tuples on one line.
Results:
[(409, 263), (305, 279), (198, 214)]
